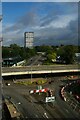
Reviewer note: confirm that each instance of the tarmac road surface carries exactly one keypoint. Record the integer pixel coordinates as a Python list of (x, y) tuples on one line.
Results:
[(31, 108)]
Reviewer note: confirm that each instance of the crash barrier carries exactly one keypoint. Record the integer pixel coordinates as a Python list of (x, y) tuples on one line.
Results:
[(70, 99), (37, 91)]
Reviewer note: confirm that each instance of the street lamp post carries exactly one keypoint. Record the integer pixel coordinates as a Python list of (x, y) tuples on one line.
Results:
[(31, 70), (31, 73)]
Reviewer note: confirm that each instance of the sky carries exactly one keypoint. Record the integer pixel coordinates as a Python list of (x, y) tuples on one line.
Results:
[(53, 23)]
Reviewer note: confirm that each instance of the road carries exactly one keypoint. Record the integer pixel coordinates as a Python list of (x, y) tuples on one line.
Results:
[(39, 68), (29, 106), (34, 60)]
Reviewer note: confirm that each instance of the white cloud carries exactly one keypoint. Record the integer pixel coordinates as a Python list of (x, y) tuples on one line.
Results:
[(5, 26), (62, 21), (10, 37), (0, 29)]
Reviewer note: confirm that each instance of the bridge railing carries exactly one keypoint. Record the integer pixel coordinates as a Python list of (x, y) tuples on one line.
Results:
[(41, 67)]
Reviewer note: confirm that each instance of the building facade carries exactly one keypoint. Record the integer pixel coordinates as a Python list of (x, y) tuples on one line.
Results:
[(28, 39)]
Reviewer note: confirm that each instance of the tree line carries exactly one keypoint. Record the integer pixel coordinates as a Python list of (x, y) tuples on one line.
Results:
[(66, 52)]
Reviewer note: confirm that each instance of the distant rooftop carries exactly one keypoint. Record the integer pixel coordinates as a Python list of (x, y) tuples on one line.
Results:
[(77, 54)]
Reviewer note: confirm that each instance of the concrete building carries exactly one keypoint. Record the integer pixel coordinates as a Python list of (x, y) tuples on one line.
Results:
[(11, 61), (28, 39)]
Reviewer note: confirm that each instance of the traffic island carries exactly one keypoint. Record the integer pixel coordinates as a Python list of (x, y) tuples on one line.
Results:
[(43, 95), (35, 81)]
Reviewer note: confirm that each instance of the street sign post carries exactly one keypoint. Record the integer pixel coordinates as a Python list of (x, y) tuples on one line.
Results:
[(39, 88)]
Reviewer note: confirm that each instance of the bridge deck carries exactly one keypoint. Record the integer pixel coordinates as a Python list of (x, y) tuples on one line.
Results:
[(39, 69)]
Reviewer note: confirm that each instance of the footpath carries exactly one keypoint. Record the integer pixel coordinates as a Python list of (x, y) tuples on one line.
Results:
[(15, 115)]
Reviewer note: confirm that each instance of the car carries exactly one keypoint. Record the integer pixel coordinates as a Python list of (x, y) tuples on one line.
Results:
[(8, 84), (19, 103), (8, 97)]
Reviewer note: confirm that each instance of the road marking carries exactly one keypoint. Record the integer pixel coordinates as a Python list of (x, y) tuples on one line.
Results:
[(45, 114), (36, 116), (26, 117), (67, 110)]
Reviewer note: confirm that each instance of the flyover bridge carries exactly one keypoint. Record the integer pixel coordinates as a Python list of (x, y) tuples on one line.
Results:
[(42, 69)]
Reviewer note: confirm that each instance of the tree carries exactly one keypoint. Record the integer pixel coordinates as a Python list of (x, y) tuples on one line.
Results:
[(78, 49), (51, 56), (15, 50), (6, 52), (68, 54), (43, 48)]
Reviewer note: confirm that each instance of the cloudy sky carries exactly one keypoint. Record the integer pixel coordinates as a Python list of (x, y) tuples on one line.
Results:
[(53, 23)]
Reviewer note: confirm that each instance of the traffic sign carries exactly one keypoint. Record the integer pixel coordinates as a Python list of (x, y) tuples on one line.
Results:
[(50, 99), (39, 87)]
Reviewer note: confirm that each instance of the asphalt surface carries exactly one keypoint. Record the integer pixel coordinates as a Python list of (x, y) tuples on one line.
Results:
[(39, 68), (31, 108), (34, 60)]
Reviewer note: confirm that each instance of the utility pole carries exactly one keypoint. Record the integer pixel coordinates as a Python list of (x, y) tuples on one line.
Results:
[(31, 73)]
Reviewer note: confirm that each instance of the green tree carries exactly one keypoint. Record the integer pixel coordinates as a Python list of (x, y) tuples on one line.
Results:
[(51, 56), (43, 48), (78, 49), (15, 50), (6, 52), (69, 54)]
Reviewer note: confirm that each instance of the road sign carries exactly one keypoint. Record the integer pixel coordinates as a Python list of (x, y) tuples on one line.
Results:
[(39, 87), (50, 99)]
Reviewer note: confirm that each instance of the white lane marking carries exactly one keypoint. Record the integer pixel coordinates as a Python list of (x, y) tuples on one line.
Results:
[(45, 114), (66, 110), (36, 116), (26, 117)]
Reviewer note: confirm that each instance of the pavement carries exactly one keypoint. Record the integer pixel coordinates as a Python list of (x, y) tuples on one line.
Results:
[(13, 111)]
